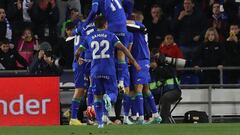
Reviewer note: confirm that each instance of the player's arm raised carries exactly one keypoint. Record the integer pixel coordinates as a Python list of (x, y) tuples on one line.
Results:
[(120, 46), (93, 12)]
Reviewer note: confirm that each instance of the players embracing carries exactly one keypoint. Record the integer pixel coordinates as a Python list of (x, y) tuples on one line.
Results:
[(105, 72)]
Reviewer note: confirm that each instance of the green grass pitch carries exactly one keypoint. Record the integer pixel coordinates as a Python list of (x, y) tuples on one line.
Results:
[(162, 129)]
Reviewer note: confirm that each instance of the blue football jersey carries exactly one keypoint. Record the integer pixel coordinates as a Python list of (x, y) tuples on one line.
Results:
[(85, 31), (140, 50), (128, 6), (113, 12), (101, 44), (130, 38)]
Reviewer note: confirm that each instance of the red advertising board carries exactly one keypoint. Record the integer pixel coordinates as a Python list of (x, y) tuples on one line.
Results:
[(28, 101)]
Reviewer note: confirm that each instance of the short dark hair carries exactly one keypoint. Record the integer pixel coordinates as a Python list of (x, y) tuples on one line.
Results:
[(234, 23), (138, 15), (138, 12), (216, 2), (155, 6), (193, 1), (70, 25), (100, 21), (4, 41), (74, 9)]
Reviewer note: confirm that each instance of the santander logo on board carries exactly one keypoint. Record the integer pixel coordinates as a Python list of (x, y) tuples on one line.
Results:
[(20, 106)]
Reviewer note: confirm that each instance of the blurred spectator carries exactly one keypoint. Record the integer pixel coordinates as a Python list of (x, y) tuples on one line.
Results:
[(9, 57), (45, 15), (232, 54), (210, 54), (189, 25), (44, 61), (75, 18), (168, 7), (219, 21), (64, 5), (157, 27), (15, 16), (145, 7), (17, 13), (209, 7), (199, 5), (26, 5), (170, 48), (27, 45), (5, 27), (231, 7)]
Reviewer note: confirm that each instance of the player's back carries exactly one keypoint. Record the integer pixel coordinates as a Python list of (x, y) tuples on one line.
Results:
[(102, 43), (114, 13), (140, 50), (85, 31)]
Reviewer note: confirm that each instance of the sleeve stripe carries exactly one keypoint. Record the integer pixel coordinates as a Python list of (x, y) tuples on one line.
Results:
[(95, 3), (81, 46), (76, 31), (117, 43)]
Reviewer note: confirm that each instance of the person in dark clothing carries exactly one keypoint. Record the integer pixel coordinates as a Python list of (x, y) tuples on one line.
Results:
[(5, 27), (45, 15), (168, 6), (9, 57), (210, 54), (157, 27), (15, 17), (166, 87), (219, 21), (166, 74), (189, 26), (232, 54), (231, 7), (44, 62)]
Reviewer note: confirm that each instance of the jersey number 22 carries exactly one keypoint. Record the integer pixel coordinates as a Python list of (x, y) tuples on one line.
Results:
[(98, 46)]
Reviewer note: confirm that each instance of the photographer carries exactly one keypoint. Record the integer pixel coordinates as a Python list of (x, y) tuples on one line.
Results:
[(44, 63), (163, 67)]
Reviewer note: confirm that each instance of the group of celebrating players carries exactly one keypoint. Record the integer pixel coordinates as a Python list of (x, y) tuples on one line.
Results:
[(104, 49)]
